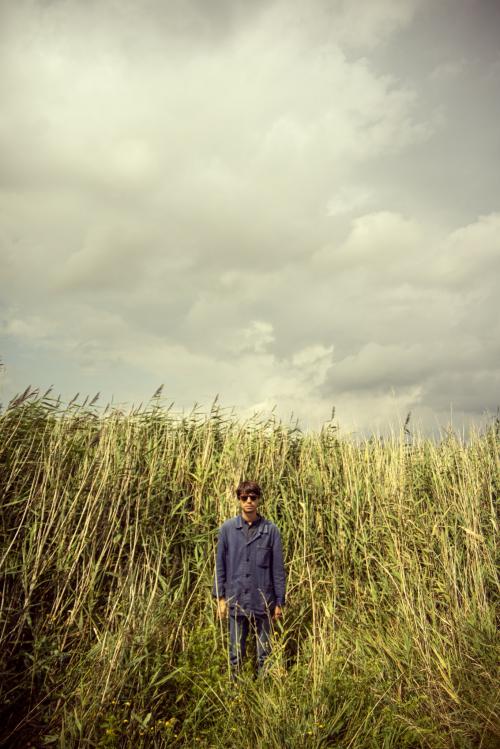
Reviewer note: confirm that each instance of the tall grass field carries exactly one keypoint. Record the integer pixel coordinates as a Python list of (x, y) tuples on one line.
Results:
[(108, 633)]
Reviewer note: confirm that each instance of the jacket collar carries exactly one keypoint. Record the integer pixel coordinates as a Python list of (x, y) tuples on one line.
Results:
[(239, 523)]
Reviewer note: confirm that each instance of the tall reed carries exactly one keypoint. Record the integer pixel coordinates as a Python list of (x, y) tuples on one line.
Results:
[(107, 629)]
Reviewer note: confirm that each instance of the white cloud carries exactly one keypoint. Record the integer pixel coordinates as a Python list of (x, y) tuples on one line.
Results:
[(471, 254), (383, 247), (31, 328), (255, 338), (384, 241)]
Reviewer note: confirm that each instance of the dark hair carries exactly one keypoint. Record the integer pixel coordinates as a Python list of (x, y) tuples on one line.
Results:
[(248, 486)]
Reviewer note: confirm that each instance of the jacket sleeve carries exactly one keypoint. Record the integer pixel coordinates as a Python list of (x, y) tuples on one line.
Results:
[(219, 586), (279, 577)]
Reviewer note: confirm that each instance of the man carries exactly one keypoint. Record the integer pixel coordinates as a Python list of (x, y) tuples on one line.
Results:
[(249, 580)]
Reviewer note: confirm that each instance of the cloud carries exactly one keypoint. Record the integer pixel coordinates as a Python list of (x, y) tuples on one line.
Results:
[(471, 254), (31, 328), (255, 338), (111, 256), (448, 70), (225, 197), (361, 332), (379, 367), (268, 126), (362, 25), (347, 200), (384, 244)]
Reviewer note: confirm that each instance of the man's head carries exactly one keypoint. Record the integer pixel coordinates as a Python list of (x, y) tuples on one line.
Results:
[(249, 494)]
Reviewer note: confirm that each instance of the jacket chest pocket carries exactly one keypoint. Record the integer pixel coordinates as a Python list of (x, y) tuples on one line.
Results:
[(263, 555)]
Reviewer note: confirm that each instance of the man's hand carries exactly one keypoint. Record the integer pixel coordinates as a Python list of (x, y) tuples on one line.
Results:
[(278, 613), (221, 608)]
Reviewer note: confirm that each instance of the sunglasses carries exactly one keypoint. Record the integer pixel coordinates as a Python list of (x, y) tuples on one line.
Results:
[(253, 497)]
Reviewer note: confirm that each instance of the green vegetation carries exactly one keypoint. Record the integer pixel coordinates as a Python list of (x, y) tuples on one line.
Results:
[(108, 634)]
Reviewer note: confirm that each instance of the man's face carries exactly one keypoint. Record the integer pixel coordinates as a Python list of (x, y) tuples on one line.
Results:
[(249, 501)]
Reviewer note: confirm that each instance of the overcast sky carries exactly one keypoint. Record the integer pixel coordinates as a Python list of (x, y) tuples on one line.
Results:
[(287, 203)]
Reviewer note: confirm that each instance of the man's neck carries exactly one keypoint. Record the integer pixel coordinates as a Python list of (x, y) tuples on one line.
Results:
[(249, 518)]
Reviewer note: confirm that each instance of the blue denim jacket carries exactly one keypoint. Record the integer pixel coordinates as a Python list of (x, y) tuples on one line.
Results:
[(249, 572)]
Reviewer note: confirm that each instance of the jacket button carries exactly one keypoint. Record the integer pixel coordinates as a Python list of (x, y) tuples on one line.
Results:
[(247, 575)]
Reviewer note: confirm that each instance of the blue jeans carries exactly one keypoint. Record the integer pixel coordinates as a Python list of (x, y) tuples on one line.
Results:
[(239, 627)]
